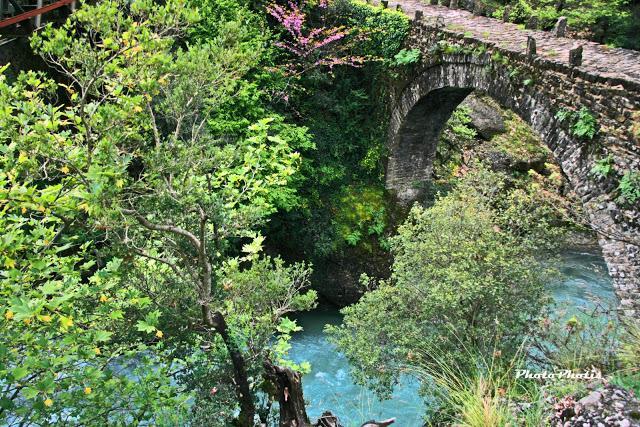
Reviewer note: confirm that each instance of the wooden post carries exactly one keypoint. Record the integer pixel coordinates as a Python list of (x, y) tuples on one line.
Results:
[(38, 17), (453, 4), (385, 3), (418, 16)]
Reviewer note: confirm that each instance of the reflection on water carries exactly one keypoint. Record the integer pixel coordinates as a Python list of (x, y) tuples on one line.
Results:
[(329, 386)]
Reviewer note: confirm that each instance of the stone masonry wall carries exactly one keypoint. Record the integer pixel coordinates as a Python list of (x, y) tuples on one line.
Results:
[(536, 88)]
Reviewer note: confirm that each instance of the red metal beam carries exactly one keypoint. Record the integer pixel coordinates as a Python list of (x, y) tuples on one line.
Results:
[(35, 12)]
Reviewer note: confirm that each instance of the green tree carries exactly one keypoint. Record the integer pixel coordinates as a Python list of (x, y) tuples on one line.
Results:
[(62, 309), (134, 147), (460, 281)]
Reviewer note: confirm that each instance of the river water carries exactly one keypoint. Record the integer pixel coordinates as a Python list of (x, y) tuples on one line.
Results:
[(329, 386)]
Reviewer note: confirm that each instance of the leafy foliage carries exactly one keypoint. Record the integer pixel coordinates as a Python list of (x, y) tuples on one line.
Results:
[(583, 124), (362, 213), (457, 136), (346, 114), (629, 187), (133, 157), (386, 29), (56, 298), (407, 57), (603, 167), (460, 278)]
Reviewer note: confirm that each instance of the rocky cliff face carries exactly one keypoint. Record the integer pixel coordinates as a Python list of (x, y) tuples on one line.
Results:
[(338, 278)]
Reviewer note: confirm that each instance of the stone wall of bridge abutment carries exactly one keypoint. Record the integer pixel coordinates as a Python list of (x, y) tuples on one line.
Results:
[(535, 88)]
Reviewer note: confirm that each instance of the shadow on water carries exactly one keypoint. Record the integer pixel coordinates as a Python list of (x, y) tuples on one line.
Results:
[(329, 386)]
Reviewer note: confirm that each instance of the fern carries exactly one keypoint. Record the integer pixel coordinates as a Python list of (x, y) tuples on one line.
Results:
[(603, 167), (563, 114), (630, 187), (407, 57), (583, 122), (353, 238), (585, 125)]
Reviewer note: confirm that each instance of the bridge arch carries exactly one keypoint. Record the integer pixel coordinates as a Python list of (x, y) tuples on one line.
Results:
[(425, 105), (428, 98)]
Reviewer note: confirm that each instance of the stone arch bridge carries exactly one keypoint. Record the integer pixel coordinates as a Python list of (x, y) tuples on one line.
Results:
[(536, 74)]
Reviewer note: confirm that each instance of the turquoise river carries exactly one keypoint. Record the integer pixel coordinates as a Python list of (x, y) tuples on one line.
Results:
[(329, 386)]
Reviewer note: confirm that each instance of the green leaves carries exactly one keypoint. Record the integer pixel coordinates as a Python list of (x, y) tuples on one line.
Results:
[(603, 167), (464, 275), (629, 187), (135, 159), (150, 322), (287, 326), (19, 373), (582, 123), (585, 125), (407, 57), (60, 309)]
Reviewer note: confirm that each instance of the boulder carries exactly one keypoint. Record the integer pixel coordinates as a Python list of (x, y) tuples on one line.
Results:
[(610, 405), (486, 117), (501, 161)]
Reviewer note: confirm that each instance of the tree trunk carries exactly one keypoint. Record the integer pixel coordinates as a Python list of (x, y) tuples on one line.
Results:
[(288, 390), (247, 407)]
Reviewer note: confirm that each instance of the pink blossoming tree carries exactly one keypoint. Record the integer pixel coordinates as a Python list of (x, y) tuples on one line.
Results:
[(313, 47)]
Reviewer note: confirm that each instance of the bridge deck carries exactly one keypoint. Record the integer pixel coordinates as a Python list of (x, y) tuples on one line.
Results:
[(599, 60)]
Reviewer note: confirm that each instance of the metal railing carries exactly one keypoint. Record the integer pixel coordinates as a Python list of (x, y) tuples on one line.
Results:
[(15, 12)]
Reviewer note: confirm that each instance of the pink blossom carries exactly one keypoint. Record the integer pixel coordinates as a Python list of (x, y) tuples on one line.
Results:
[(313, 47)]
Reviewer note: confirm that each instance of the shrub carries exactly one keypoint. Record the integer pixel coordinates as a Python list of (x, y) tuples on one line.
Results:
[(455, 273), (630, 187)]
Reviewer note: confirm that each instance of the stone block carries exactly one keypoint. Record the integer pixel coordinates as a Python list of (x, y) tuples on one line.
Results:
[(531, 47), (575, 57), (506, 14), (560, 28), (532, 23)]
